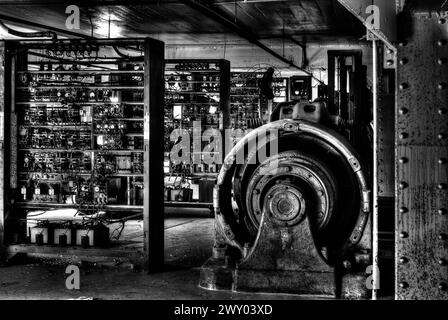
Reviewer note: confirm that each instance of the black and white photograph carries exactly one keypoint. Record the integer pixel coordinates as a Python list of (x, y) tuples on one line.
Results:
[(224, 157)]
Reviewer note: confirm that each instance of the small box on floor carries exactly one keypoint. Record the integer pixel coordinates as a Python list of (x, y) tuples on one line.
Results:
[(206, 190), (40, 235), (97, 236), (63, 237), (181, 195)]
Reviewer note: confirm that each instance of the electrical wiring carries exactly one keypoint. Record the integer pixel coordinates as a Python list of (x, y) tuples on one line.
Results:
[(122, 55), (121, 228)]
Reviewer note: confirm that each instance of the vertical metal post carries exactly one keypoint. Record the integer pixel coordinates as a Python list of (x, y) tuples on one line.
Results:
[(2, 158), (375, 270), (343, 95), (331, 83), (153, 212), (224, 92)]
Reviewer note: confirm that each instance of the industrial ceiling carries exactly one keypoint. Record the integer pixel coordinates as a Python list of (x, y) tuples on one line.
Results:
[(192, 22)]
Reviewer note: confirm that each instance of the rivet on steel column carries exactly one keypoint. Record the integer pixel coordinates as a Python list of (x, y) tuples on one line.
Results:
[(403, 110), (403, 185), (404, 210), (404, 260)]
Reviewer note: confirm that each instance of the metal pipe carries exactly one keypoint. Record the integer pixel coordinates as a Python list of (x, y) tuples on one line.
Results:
[(42, 26), (375, 271), (42, 34)]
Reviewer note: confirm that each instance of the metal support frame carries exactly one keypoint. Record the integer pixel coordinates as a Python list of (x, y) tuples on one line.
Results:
[(358, 85), (383, 168), (357, 57), (153, 215), (224, 92), (387, 31), (376, 71), (2, 149), (153, 212)]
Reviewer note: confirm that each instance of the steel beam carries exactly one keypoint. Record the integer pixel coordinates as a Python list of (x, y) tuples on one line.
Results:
[(2, 157), (153, 214), (387, 31)]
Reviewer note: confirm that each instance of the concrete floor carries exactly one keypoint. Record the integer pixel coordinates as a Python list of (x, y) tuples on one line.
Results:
[(188, 243)]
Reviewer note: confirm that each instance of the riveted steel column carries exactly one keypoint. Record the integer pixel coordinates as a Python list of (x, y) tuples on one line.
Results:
[(2, 169), (421, 153)]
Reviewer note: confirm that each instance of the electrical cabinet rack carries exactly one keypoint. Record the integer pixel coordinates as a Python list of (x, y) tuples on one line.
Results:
[(247, 106), (196, 104), (82, 123)]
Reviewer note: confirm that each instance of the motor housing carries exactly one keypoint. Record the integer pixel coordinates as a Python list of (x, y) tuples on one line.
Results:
[(292, 205)]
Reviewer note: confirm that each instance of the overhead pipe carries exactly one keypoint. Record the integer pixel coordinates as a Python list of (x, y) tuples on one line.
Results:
[(42, 26), (125, 56), (38, 34)]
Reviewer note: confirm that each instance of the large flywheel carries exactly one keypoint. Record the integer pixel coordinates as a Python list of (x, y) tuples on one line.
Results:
[(313, 174)]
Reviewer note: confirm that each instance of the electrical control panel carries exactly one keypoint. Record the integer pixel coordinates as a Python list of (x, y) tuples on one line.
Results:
[(195, 112), (300, 88), (248, 107), (80, 128)]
